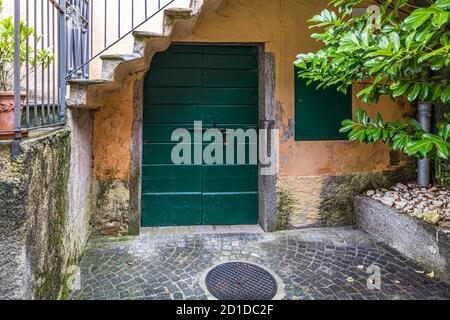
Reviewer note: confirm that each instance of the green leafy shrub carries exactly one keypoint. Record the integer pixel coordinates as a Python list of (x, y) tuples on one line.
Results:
[(442, 172), (402, 52), (409, 137), (393, 57)]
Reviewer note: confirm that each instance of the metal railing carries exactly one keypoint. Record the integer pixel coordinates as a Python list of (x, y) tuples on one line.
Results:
[(113, 21), (78, 34), (38, 70), (55, 41)]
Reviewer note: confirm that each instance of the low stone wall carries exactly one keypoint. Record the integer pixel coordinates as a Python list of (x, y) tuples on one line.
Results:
[(43, 229), (416, 239), (327, 201)]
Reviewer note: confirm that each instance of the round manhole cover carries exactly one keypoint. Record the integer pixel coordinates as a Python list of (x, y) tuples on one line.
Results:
[(241, 281)]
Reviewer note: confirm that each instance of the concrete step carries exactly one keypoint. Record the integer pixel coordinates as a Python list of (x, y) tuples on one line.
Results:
[(79, 89), (111, 61), (172, 15)]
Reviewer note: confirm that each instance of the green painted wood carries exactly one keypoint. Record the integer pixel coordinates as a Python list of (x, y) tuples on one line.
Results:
[(160, 153), (233, 178), (177, 60), (173, 95), (230, 96), (230, 208), (175, 78), (235, 114), (171, 209), (171, 178), (319, 112), (230, 62), (217, 85), (184, 49), (231, 50), (230, 78), (195, 95), (162, 132)]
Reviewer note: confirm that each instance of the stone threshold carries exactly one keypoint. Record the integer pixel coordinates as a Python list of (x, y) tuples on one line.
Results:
[(203, 229)]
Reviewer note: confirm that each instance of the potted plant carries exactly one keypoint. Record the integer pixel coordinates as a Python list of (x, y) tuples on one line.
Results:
[(401, 51), (43, 58)]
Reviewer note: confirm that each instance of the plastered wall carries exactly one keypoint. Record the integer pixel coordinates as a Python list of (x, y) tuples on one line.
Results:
[(281, 26)]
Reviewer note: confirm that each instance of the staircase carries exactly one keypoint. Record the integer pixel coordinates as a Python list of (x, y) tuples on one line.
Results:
[(120, 68)]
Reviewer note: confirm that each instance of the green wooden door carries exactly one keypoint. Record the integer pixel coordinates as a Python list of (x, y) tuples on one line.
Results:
[(217, 85)]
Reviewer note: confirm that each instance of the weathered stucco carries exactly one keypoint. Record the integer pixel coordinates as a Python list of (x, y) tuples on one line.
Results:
[(318, 201), (42, 229), (79, 190), (281, 27), (112, 207)]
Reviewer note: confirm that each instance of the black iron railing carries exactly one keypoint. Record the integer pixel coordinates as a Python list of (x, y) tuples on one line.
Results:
[(38, 70), (78, 36), (121, 16)]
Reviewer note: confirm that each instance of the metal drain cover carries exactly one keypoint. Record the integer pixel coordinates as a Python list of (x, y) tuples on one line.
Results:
[(240, 281)]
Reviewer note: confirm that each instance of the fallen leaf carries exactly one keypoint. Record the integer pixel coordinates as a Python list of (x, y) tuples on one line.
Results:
[(350, 280), (419, 271), (360, 267), (397, 282), (130, 263), (430, 275)]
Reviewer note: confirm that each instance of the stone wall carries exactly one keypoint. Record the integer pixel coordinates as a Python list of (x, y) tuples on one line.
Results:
[(416, 239), (44, 213)]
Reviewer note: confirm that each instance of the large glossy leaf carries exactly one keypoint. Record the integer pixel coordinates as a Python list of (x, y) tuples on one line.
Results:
[(417, 18), (440, 19), (421, 147), (401, 89), (414, 92)]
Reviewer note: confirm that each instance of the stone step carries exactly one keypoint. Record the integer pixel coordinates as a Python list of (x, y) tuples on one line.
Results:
[(141, 38), (111, 61), (172, 15), (79, 91), (79, 88)]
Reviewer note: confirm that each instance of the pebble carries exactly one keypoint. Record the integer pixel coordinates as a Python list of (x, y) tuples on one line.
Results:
[(431, 204), (387, 201), (370, 193)]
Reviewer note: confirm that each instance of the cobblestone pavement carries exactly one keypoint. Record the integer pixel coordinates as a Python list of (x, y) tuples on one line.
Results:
[(312, 264)]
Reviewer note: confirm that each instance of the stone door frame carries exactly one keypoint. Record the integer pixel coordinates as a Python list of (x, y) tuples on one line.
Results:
[(267, 207)]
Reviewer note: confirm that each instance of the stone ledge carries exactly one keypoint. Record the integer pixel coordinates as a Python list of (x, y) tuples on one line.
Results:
[(416, 239)]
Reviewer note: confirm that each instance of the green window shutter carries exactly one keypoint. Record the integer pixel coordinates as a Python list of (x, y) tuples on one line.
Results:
[(319, 112)]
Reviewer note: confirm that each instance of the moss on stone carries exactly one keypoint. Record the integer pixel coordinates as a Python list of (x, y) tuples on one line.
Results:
[(54, 163), (174, 15), (112, 207), (338, 192), (285, 208), (34, 201), (442, 173)]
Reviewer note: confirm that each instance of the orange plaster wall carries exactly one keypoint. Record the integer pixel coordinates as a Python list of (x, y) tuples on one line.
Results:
[(112, 135), (282, 26)]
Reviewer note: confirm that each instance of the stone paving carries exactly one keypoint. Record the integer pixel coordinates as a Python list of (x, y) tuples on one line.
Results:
[(312, 264)]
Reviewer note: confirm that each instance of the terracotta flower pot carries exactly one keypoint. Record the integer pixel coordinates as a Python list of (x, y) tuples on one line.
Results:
[(7, 109)]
